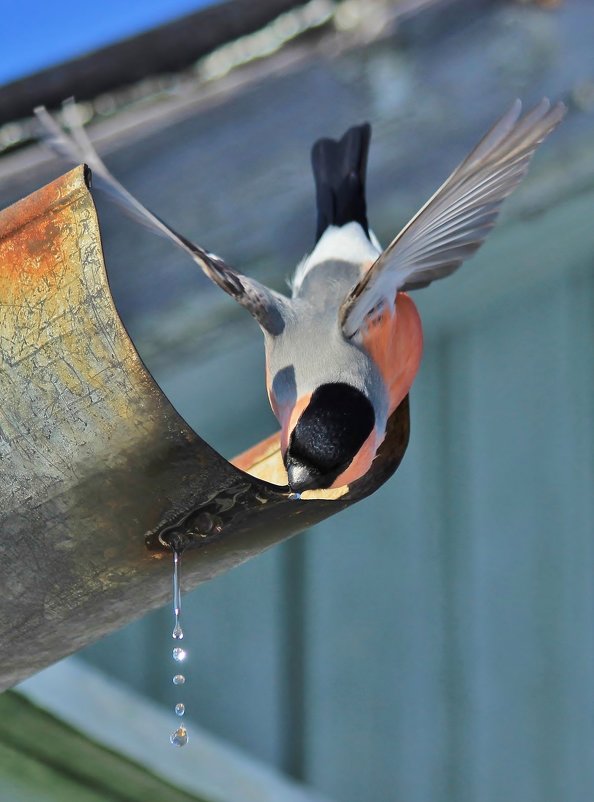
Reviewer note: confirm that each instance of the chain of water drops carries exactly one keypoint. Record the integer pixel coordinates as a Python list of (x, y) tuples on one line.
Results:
[(180, 735)]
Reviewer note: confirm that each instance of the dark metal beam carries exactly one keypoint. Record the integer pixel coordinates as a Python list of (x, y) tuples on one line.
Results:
[(166, 49)]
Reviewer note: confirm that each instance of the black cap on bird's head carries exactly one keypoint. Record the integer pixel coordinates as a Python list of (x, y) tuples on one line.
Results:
[(328, 435)]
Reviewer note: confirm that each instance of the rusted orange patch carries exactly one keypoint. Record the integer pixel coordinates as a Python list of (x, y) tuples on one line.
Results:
[(31, 240)]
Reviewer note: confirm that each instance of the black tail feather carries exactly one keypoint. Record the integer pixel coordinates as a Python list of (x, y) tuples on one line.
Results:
[(339, 171)]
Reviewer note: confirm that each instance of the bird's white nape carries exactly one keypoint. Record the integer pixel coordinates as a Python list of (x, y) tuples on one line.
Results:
[(347, 243)]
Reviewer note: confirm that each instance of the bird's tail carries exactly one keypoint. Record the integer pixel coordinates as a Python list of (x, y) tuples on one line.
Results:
[(339, 171)]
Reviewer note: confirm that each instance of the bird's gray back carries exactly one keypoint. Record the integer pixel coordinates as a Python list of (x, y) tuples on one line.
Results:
[(312, 350)]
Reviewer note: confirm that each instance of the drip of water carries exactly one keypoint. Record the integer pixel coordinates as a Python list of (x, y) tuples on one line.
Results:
[(179, 737), (178, 632)]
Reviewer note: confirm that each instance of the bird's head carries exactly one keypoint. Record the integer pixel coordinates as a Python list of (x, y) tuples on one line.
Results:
[(330, 438)]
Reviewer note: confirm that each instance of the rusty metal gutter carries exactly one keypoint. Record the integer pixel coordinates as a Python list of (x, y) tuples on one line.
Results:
[(97, 470)]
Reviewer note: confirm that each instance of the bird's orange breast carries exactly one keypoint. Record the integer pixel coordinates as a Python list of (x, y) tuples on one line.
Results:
[(394, 340)]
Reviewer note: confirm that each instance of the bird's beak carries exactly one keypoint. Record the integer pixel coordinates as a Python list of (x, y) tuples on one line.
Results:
[(301, 476)]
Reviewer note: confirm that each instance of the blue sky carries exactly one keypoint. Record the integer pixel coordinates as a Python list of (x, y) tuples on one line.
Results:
[(38, 33)]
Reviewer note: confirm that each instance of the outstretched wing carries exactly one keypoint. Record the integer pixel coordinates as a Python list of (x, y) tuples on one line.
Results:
[(453, 224), (264, 304)]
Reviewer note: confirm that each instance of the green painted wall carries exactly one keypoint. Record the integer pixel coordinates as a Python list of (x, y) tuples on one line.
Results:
[(44, 760)]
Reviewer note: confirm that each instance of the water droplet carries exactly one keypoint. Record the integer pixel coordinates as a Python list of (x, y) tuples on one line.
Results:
[(179, 654), (179, 737), (294, 496), (177, 594)]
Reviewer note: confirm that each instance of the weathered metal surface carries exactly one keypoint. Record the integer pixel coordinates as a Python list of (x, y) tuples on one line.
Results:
[(93, 458)]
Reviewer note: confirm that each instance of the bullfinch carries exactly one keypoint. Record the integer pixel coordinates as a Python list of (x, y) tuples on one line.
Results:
[(343, 350)]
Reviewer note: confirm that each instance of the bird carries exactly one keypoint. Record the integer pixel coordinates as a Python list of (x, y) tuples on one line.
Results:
[(343, 349)]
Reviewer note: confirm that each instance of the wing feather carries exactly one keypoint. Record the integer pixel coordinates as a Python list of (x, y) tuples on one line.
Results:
[(455, 221), (264, 304)]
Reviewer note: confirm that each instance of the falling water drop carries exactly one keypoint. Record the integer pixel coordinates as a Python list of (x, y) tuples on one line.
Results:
[(180, 736), (179, 655)]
